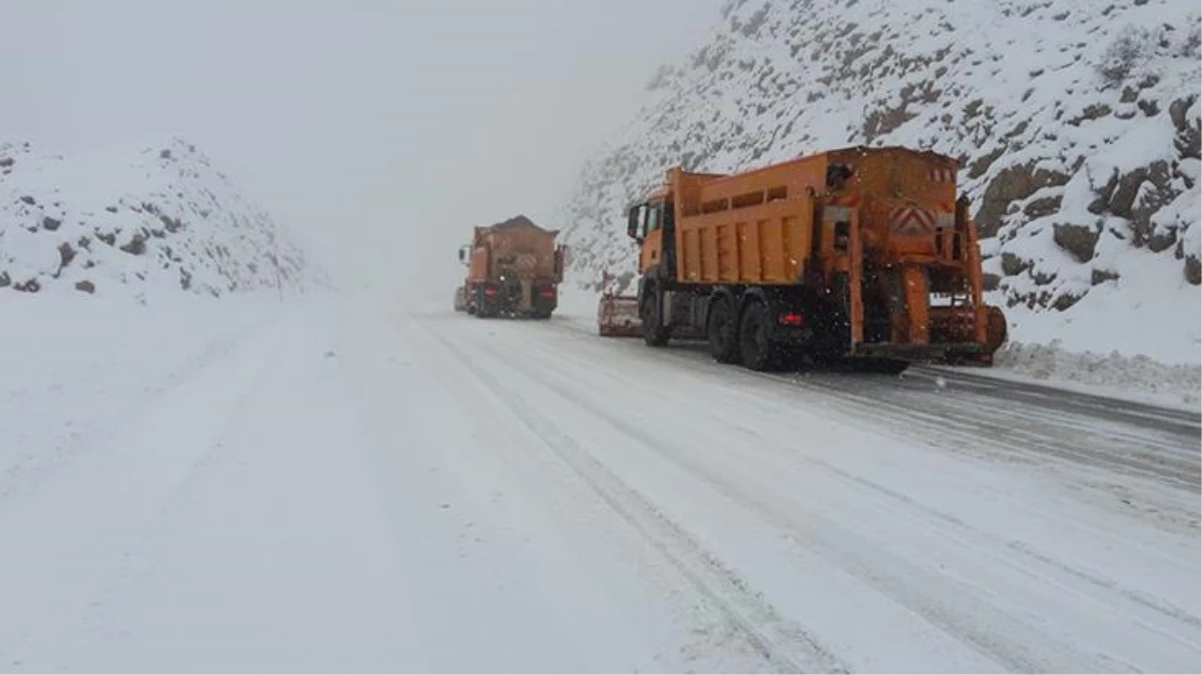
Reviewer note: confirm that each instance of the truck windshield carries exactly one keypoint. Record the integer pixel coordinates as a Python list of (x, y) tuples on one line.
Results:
[(653, 212)]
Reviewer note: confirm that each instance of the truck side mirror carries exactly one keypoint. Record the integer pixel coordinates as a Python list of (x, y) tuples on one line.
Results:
[(460, 255), (632, 222)]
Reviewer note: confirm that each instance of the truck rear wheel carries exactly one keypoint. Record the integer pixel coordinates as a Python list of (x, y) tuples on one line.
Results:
[(722, 332), (755, 342)]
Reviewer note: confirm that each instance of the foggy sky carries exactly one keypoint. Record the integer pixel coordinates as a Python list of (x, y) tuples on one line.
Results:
[(380, 132)]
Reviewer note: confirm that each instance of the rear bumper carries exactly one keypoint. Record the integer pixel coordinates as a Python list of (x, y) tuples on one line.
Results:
[(917, 352), (507, 299)]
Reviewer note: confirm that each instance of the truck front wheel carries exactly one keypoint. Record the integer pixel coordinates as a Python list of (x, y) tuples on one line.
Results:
[(653, 334)]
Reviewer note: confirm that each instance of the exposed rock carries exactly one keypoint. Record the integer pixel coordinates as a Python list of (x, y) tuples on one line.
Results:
[(1193, 270), (1162, 239), (1079, 240), (991, 281), (880, 122), (981, 164), (5, 280), (1102, 276), (1044, 206), (85, 286), (1043, 278), (29, 200), (1188, 139), (1092, 112), (1065, 300), (1013, 183), (173, 225), (28, 286), (1140, 194), (1012, 265), (65, 255), (136, 245), (1102, 202)]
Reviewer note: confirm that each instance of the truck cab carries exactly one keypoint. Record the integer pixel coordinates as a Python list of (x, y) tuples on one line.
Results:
[(650, 223)]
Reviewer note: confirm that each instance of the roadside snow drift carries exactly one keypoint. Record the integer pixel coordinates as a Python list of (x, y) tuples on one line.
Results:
[(129, 221)]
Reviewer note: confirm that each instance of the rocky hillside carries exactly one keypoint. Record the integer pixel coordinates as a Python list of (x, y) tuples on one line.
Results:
[(123, 222), (1077, 124)]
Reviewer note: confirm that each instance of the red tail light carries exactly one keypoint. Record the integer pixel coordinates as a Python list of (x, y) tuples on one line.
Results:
[(490, 292), (792, 319), (548, 292)]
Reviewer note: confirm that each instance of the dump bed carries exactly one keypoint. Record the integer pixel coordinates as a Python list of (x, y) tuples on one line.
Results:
[(760, 227), (517, 247)]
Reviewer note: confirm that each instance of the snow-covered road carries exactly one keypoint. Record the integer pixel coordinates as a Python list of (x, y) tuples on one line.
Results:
[(346, 485)]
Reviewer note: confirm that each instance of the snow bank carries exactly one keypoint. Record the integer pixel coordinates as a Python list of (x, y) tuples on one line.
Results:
[(128, 220), (1114, 375)]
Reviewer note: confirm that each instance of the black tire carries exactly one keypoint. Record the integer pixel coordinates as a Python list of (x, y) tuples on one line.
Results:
[(653, 334), (722, 332), (755, 340), (482, 309)]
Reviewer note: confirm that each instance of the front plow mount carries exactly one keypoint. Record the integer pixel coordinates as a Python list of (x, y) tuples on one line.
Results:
[(618, 316)]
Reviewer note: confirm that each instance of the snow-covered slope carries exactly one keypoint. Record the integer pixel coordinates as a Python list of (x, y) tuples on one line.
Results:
[(1077, 123), (131, 221)]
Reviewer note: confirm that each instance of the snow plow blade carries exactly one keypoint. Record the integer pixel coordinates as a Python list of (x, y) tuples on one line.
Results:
[(618, 316)]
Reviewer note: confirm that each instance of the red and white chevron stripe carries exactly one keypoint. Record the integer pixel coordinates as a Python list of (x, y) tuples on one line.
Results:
[(911, 221)]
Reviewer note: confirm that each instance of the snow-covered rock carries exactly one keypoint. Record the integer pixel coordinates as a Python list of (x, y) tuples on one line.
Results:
[(151, 219), (1077, 124)]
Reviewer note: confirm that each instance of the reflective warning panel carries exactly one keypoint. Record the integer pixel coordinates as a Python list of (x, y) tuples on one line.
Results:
[(911, 221)]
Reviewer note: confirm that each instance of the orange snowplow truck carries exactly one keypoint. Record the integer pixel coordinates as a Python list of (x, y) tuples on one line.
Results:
[(861, 254), (514, 269)]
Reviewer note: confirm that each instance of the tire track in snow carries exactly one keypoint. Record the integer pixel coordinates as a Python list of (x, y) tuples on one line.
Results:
[(1025, 553), (990, 398), (974, 624), (789, 647), (983, 418), (138, 560), (135, 478), (24, 476), (1021, 555)]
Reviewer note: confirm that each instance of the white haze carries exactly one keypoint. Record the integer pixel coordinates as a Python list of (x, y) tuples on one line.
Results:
[(379, 132)]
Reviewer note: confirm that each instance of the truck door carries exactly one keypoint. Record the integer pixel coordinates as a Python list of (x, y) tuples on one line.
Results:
[(653, 237)]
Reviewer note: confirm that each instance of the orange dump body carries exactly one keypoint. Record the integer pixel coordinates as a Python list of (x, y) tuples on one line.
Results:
[(517, 252)]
